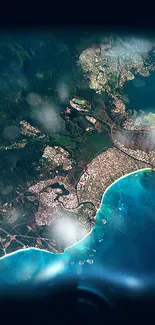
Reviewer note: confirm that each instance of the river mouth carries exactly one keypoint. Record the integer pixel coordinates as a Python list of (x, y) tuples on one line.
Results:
[(120, 245)]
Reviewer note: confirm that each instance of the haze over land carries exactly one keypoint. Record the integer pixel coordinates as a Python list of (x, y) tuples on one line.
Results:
[(66, 118)]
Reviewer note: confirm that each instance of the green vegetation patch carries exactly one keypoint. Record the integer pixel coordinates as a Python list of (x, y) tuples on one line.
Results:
[(63, 141), (83, 148), (92, 146)]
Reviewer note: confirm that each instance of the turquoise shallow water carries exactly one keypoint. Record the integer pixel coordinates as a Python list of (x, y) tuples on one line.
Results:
[(123, 245)]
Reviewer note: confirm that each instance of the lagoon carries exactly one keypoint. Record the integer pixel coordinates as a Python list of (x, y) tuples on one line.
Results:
[(140, 93)]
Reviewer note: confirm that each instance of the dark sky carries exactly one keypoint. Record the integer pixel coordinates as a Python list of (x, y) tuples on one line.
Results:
[(86, 15)]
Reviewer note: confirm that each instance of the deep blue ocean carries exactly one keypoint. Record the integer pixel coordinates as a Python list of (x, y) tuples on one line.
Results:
[(121, 243)]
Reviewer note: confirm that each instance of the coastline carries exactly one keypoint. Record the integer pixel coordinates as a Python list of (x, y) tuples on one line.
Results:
[(80, 242)]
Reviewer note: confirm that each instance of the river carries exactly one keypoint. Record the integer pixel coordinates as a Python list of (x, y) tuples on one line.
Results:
[(121, 243)]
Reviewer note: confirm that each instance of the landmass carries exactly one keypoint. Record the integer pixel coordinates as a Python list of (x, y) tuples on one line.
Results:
[(66, 139)]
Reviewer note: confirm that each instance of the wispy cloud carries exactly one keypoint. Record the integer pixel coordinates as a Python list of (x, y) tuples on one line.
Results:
[(49, 117)]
